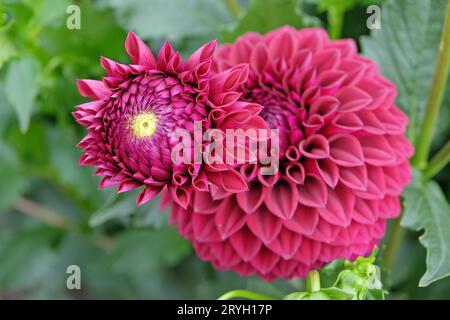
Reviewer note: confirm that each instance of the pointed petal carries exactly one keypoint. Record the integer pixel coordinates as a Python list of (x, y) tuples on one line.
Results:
[(281, 200), (245, 244), (138, 51), (148, 194), (313, 193), (250, 200), (229, 218), (92, 89), (303, 221), (339, 207), (264, 224), (345, 150), (286, 244)]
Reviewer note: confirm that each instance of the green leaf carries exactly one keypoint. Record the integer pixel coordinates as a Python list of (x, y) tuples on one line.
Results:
[(64, 158), (426, 208), (332, 293), (123, 208), (343, 5), (338, 294), (10, 188), (265, 15), (7, 50), (376, 294), (80, 49), (173, 19), (47, 11), (406, 49), (21, 88), (139, 251), (26, 259), (296, 296)]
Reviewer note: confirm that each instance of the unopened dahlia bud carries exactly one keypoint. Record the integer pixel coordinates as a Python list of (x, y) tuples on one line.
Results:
[(343, 160), (138, 108)]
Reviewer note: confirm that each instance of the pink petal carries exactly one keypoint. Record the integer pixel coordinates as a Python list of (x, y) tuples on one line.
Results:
[(339, 207), (304, 220), (354, 177), (264, 261), (286, 244), (313, 193), (204, 228), (245, 244), (250, 200), (264, 224), (345, 150), (138, 51), (315, 147), (148, 194), (92, 89), (281, 200), (229, 218)]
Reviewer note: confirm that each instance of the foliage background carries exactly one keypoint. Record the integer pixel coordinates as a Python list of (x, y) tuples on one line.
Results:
[(51, 213)]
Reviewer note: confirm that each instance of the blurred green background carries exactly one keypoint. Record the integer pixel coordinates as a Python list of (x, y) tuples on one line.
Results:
[(51, 213)]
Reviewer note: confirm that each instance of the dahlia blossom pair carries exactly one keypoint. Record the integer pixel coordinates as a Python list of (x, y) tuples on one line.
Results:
[(343, 155)]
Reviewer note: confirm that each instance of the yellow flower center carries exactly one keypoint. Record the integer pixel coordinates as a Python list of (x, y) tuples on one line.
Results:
[(144, 124)]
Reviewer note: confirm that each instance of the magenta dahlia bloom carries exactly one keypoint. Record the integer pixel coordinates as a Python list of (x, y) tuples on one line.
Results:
[(343, 160), (137, 107)]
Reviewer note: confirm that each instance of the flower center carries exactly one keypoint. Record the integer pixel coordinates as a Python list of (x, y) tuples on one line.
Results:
[(144, 124)]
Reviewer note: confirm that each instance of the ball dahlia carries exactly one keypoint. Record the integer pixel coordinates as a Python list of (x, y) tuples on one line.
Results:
[(137, 107), (343, 160)]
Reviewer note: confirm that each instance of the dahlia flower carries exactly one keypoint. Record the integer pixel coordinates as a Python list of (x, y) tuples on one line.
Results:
[(137, 107), (343, 160)]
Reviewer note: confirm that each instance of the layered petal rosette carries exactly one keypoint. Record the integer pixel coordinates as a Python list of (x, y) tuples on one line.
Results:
[(137, 108), (343, 160)]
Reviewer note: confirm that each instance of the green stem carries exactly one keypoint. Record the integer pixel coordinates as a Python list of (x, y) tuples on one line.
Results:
[(313, 281), (233, 6), (438, 162), (335, 22), (396, 236), (250, 295), (53, 219), (44, 214), (435, 96)]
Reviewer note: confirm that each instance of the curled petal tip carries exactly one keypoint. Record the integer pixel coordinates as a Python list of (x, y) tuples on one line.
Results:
[(92, 89), (138, 51)]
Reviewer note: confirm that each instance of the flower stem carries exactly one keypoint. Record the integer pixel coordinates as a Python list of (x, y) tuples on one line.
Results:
[(313, 281), (438, 162), (435, 96), (44, 214), (233, 6), (394, 242), (53, 219), (335, 22), (250, 295)]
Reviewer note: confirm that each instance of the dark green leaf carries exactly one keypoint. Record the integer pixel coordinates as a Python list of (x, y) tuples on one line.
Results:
[(171, 19), (406, 49), (338, 294), (342, 5), (296, 296), (21, 88), (427, 209), (265, 15), (26, 259), (7, 50), (140, 251), (123, 208)]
